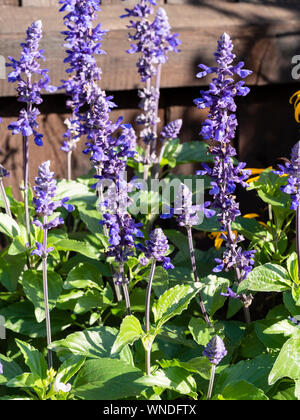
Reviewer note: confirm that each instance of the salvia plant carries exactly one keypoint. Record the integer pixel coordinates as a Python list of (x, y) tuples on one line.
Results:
[(110, 285)]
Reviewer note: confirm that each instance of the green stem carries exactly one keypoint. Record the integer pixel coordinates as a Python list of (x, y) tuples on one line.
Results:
[(147, 315), (196, 279), (4, 197), (211, 381), (45, 290)]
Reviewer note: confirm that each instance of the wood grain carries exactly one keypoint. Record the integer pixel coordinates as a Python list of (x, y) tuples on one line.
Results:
[(265, 37)]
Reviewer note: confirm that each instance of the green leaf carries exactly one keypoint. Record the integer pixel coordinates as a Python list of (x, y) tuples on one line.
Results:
[(292, 266), (33, 359), (173, 302), (9, 226), (91, 299), (107, 379), (287, 363), (11, 268), (200, 331), (160, 280), (10, 369), (76, 246), (92, 343), (243, 390), (18, 246), (33, 287), (255, 371), (25, 380), (91, 218), (266, 278), (211, 288), (175, 378), (72, 189), (194, 151), (82, 276), (284, 327), (130, 331), (20, 318), (69, 368)]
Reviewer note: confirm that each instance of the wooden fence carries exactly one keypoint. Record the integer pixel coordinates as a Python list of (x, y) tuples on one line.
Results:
[(266, 35)]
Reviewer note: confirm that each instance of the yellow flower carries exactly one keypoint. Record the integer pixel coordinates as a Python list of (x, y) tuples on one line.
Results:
[(217, 235), (296, 105), (256, 171)]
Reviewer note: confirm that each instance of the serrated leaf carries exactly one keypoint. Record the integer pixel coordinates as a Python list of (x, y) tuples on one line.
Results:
[(173, 377), (243, 390), (107, 379), (173, 302), (76, 246), (292, 266), (84, 275), (9, 226), (33, 359), (130, 331), (266, 278), (211, 288), (10, 369), (32, 282), (17, 246), (287, 363), (200, 331), (91, 343)]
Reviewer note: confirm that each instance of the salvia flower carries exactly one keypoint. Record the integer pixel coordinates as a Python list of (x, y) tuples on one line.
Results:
[(185, 211), (83, 43), (44, 203), (29, 91), (1, 369), (230, 293), (220, 126), (172, 129), (215, 350), (157, 247), (292, 169)]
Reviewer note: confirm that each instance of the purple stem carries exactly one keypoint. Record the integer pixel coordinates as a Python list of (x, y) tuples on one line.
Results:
[(194, 268), (147, 314), (45, 289), (231, 240), (26, 182), (298, 237), (125, 290)]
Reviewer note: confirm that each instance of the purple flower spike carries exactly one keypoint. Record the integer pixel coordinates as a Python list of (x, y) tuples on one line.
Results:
[(29, 91), (83, 43), (292, 169), (1, 369), (220, 126), (45, 191), (171, 130), (215, 350), (157, 247)]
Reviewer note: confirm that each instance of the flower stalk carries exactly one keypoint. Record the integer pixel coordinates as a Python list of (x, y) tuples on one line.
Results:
[(147, 315), (4, 173)]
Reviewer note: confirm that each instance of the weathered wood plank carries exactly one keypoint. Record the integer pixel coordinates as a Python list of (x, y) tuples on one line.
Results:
[(266, 37), (9, 3), (49, 3)]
